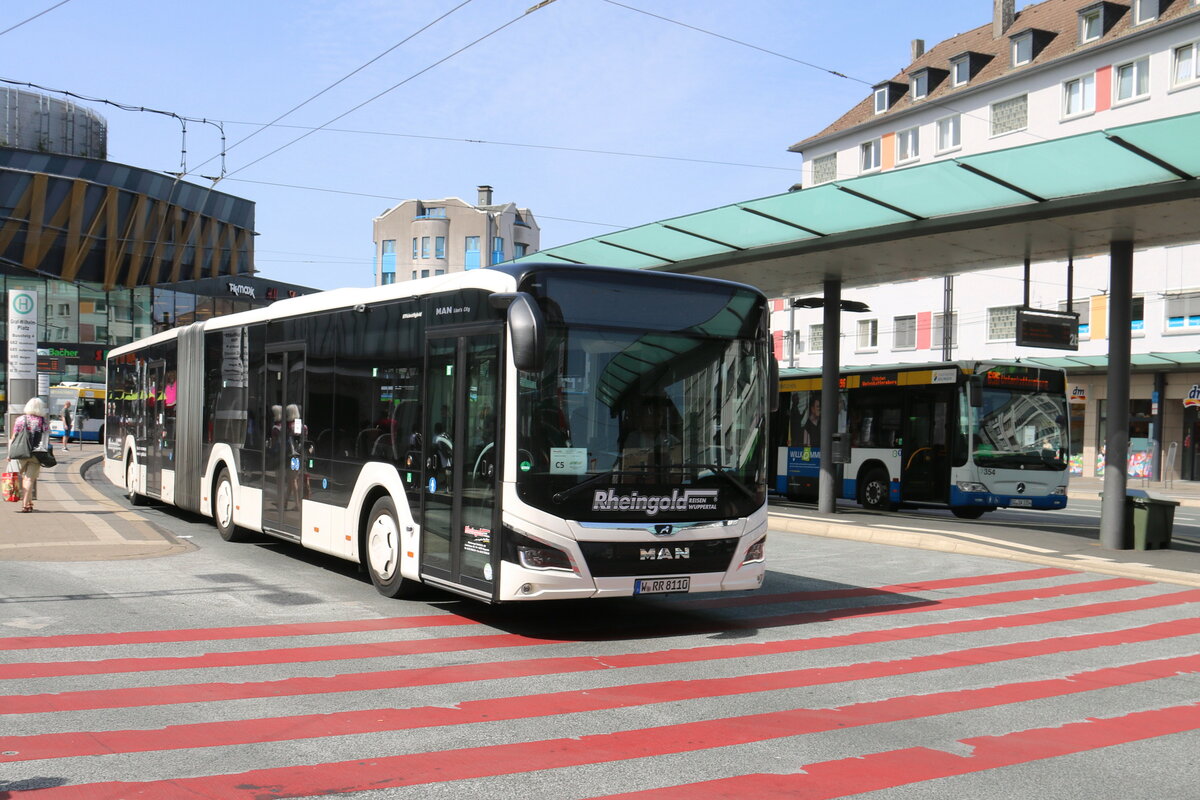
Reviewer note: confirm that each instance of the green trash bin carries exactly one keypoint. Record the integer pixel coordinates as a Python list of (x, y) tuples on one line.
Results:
[(1149, 519)]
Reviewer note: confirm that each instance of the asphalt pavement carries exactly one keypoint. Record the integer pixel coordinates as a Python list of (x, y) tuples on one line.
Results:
[(74, 521)]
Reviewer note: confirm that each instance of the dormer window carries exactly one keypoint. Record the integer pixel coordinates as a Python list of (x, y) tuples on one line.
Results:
[(1022, 48), (1144, 11), (920, 85), (1091, 24), (886, 94), (881, 100), (960, 71)]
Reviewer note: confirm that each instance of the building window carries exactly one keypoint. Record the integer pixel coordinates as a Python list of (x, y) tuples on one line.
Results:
[(904, 333), (440, 211), (520, 250), (1133, 80), (1186, 64), (439, 247), (868, 334), (1144, 11), (949, 133), (1091, 25), (1183, 312), (471, 253), (816, 338), (908, 145), (939, 321), (920, 85), (1022, 49), (960, 71), (824, 168), (870, 155), (388, 278), (497, 249), (424, 247), (389, 247), (414, 248), (1002, 323), (1137, 315), (1079, 96), (424, 273), (881, 100), (1010, 115)]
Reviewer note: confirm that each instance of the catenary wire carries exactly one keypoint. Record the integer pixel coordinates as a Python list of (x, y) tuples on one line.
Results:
[(35, 16)]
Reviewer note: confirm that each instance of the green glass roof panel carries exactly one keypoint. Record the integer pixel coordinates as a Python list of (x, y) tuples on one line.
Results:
[(738, 227), (934, 190), (656, 240), (826, 209), (1069, 167), (592, 251), (1173, 140)]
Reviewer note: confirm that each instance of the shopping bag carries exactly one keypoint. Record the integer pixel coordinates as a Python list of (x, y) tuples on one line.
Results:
[(10, 483), (20, 446), (46, 457)]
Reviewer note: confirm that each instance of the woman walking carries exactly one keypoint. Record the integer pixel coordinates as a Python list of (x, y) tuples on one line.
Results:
[(34, 422)]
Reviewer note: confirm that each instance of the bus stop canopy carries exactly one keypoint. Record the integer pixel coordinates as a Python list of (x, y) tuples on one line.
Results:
[(1043, 201)]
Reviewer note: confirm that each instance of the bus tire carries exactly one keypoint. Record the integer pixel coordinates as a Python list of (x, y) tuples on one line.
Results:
[(968, 512), (382, 548), (222, 509), (135, 499), (876, 491)]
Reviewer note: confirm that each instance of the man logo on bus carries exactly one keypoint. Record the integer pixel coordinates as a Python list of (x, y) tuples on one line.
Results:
[(663, 553)]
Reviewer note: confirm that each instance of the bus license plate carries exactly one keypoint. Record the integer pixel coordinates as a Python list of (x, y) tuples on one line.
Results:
[(1021, 503), (661, 585)]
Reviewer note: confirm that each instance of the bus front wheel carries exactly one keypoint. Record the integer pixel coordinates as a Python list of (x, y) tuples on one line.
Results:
[(969, 512), (383, 548), (876, 491), (222, 509), (135, 499)]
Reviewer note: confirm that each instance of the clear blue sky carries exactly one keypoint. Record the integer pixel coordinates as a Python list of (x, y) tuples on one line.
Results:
[(585, 74)]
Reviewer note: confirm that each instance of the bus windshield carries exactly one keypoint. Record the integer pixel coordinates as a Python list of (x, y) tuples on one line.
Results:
[(1020, 429), (649, 426)]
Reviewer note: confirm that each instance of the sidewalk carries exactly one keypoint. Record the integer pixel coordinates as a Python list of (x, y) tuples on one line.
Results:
[(72, 521)]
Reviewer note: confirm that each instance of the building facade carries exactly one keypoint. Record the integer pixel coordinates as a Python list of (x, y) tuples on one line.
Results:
[(423, 238), (1052, 70)]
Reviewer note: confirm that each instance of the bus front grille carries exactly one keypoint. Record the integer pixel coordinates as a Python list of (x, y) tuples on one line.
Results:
[(617, 559)]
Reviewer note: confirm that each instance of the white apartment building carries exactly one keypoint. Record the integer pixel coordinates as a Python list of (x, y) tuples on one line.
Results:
[(423, 238), (1054, 69)]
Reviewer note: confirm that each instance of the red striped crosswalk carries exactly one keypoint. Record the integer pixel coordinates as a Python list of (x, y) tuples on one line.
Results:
[(438, 698)]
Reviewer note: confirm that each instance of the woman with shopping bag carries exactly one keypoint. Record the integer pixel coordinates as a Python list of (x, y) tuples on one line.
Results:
[(28, 435)]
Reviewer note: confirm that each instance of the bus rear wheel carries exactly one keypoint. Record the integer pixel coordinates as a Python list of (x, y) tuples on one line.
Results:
[(383, 548), (876, 491), (135, 499), (222, 509)]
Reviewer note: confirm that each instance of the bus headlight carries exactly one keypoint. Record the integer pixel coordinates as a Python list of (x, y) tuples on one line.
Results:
[(970, 486), (756, 552), (1059, 490), (533, 554)]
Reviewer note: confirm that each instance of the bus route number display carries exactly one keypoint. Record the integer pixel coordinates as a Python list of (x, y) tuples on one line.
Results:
[(1058, 330)]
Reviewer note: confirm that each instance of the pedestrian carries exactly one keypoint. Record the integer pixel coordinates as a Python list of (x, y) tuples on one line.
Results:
[(80, 417), (33, 423), (67, 420)]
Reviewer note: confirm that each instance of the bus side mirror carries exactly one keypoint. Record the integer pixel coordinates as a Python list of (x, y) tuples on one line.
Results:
[(773, 384), (526, 328), (976, 394)]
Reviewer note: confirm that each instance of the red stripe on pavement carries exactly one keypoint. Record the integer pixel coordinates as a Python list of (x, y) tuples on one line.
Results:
[(241, 632), (829, 779), (852, 776), (443, 620), (291, 655), (433, 676), (275, 729)]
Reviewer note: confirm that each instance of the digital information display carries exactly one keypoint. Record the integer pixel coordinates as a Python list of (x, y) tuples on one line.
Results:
[(1056, 330)]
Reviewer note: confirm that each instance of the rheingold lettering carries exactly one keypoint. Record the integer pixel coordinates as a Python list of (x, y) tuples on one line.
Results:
[(654, 504)]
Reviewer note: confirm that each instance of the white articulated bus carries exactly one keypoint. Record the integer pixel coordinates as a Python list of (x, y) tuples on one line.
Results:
[(515, 433)]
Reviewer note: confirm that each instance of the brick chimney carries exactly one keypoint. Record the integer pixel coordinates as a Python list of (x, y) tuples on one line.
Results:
[(1004, 12), (485, 195)]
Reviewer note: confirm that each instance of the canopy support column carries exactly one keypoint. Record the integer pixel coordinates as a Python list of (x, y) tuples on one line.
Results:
[(1116, 445), (831, 335)]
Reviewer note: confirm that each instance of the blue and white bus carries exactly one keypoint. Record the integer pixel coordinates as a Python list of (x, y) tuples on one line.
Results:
[(968, 436)]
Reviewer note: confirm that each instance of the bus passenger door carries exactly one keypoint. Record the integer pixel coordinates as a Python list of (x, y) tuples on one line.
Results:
[(460, 512), (925, 455), (156, 430), (285, 462)]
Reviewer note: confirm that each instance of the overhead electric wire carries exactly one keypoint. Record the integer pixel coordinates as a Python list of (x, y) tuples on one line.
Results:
[(35, 16), (340, 80), (527, 145), (395, 86)]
